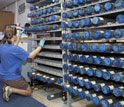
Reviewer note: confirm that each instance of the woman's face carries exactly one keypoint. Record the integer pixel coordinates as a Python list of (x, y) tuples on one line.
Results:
[(14, 38)]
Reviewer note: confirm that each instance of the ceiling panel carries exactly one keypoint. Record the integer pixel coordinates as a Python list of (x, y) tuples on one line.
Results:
[(4, 3)]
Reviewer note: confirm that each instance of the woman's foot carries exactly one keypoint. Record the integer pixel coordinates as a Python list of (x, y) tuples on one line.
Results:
[(6, 92)]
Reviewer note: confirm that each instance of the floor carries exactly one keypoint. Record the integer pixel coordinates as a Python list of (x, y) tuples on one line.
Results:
[(41, 96)]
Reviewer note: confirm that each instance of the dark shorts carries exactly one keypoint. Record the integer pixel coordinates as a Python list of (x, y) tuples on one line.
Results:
[(19, 83)]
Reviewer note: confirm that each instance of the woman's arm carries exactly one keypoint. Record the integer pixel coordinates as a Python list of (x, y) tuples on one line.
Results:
[(37, 50), (34, 52)]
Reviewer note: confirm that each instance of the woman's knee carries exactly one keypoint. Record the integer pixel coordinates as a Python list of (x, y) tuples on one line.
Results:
[(29, 91)]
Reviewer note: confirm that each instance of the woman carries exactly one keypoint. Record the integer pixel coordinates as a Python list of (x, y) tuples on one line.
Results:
[(10, 67)]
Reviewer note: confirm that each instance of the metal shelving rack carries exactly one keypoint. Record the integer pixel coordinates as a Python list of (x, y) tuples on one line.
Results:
[(106, 26), (49, 60)]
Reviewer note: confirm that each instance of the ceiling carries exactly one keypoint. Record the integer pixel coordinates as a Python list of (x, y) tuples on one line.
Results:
[(4, 3)]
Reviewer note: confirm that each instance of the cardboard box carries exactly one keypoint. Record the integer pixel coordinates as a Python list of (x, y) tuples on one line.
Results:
[(6, 18)]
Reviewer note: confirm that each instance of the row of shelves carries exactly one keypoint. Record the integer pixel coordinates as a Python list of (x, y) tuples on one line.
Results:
[(51, 55), (49, 62), (100, 14), (94, 3), (54, 13), (49, 70)]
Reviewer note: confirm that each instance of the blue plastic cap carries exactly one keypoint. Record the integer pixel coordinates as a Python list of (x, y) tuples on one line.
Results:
[(70, 90), (76, 23), (105, 89), (96, 34), (81, 83), (117, 92), (64, 15), (76, 57), (96, 100), (41, 78), (107, 61), (82, 58), (97, 60), (120, 18), (44, 11), (49, 10), (64, 4), (99, 73), (97, 8), (117, 33), (61, 45), (45, 27), (88, 85), (81, 1), (69, 14), (75, 2), (75, 92), (64, 88), (117, 77), (70, 68), (49, 81), (76, 35), (63, 36), (65, 46), (82, 72), (70, 79), (118, 62), (55, 8), (107, 34), (75, 13), (70, 24), (65, 76), (63, 24), (89, 10), (78, 46), (71, 46), (82, 11), (87, 21), (104, 103), (82, 23), (86, 35), (108, 6), (119, 3), (106, 75), (93, 47), (70, 57), (90, 59), (75, 81), (90, 72), (81, 95), (55, 26), (69, 3), (65, 66), (59, 81), (95, 20), (65, 56), (97, 87), (117, 104), (68, 36), (103, 47), (89, 97), (84, 47), (117, 47), (76, 69)]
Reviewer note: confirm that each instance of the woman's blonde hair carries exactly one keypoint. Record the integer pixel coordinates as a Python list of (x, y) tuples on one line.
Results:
[(8, 35)]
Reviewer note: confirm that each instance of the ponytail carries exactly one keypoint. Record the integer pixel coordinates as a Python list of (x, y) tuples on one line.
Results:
[(9, 33)]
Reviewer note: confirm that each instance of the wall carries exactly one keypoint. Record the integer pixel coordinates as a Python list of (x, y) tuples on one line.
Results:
[(22, 18)]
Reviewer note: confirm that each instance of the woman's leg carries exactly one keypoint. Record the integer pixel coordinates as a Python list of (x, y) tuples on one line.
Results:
[(26, 92)]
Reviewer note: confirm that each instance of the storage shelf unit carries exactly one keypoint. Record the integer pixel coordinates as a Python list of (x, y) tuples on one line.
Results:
[(51, 55), (49, 60), (84, 83)]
